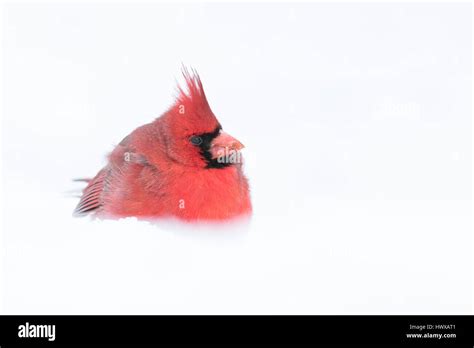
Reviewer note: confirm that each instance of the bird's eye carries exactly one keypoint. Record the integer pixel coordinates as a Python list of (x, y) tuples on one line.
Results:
[(195, 140)]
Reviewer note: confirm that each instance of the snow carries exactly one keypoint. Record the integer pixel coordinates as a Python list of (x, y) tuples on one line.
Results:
[(357, 125)]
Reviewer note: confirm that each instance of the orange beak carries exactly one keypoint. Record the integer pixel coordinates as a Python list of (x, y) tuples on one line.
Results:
[(223, 144)]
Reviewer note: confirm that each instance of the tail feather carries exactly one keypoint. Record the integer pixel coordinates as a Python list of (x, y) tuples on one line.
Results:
[(82, 180), (91, 197)]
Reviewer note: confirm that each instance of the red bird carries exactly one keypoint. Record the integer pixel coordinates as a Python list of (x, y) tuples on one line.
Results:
[(180, 165)]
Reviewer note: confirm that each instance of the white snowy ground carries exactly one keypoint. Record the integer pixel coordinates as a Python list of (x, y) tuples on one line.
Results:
[(357, 123)]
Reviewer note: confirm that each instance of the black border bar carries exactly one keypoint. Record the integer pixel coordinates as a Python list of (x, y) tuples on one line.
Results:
[(237, 330)]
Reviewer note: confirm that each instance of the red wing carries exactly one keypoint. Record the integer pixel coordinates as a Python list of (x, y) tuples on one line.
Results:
[(91, 196)]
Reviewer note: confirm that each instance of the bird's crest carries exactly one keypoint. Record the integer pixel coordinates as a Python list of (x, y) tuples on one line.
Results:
[(193, 95)]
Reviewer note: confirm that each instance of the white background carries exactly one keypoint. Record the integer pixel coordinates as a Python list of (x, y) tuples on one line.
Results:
[(357, 125)]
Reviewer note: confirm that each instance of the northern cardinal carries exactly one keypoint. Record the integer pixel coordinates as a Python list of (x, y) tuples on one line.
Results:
[(180, 165)]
